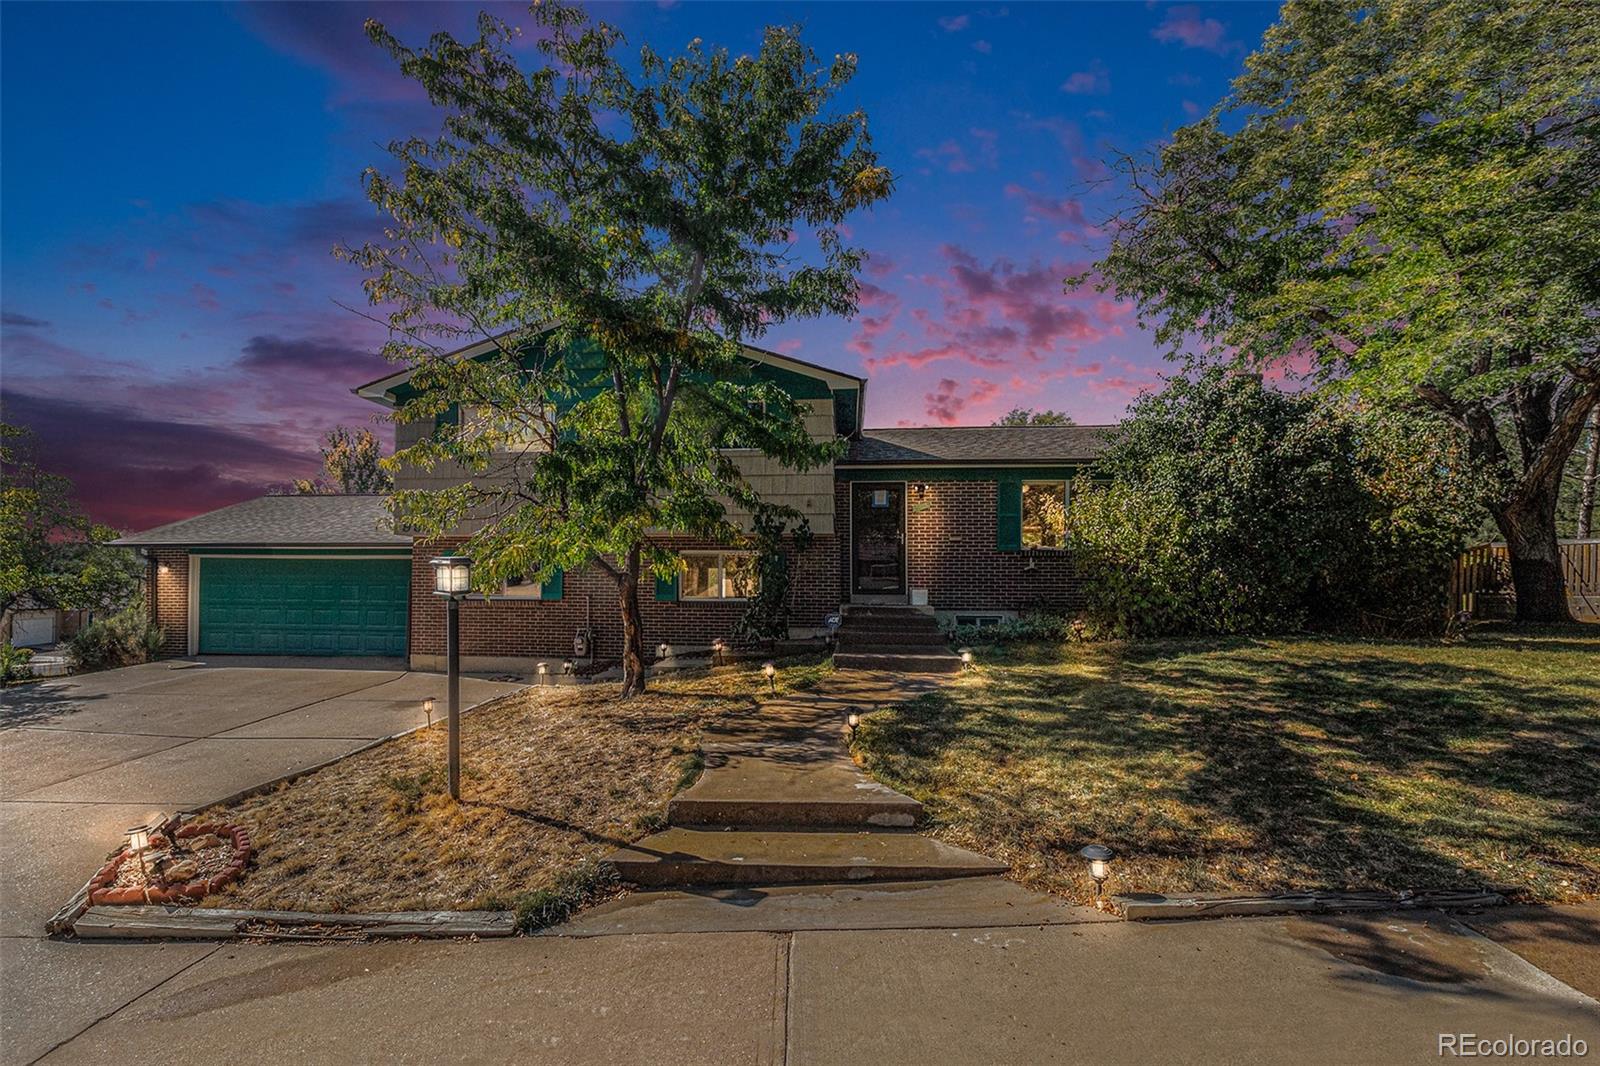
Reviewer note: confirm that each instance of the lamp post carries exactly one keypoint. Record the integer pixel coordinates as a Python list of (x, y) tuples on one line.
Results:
[(452, 579)]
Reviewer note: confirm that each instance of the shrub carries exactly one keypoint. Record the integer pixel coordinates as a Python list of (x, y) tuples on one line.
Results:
[(1033, 627), (15, 663), (124, 639), (1225, 506)]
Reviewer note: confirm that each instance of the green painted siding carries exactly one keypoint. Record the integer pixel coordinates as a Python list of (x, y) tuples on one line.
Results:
[(846, 411), (286, 606)]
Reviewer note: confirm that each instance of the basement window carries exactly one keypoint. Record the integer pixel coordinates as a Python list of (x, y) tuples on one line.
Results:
[(1044, 514), (718, 575)]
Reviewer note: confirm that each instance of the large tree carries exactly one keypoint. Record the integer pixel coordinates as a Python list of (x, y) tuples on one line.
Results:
[(1028, 416), (353, 463), (616, 232), (52, 556), (1405, 198)]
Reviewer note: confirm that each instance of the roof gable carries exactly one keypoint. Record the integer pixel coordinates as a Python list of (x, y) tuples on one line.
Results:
[(947, 445)]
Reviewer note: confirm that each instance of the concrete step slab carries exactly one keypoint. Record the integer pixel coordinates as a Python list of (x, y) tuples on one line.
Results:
[(960, 903), (680, 856), (801, 791), (895, 647)]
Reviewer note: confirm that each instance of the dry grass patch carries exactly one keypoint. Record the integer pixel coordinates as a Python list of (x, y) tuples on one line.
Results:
[(552, 780), (1251, 765)]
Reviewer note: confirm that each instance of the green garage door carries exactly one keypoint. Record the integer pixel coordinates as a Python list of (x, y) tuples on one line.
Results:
[(258, 606)]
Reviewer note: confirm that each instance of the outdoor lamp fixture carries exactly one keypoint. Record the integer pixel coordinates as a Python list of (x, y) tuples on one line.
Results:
[(138, 840), (566, 666), (662, 650), (427, 709), (772, 677), (966, 658), (853, 721), (544, 671), (1099, 859), (452, 579)]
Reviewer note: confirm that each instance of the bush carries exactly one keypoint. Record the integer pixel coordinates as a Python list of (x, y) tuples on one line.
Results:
[(124, 639), (1033, 627), (1225, 506), (16, 664)]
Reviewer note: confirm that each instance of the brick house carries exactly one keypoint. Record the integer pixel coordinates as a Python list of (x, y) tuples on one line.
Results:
[(960, 521)]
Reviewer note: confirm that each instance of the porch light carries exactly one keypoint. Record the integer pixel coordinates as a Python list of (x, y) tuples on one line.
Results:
[(452, 575), (1099, 857), (163, 569), (772, 676)]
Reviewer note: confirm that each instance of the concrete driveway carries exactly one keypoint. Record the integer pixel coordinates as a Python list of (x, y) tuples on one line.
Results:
[(83, 758)]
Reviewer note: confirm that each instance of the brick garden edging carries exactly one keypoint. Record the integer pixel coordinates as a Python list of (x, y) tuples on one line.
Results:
[(101, 892)]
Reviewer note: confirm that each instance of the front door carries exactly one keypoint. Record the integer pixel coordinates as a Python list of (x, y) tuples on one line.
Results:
[(878, 538)]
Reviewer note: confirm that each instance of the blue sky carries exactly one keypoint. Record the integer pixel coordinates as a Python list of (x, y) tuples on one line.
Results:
[(173, 176)]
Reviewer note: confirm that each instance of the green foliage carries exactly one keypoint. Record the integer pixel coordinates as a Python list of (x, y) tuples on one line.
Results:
[(353, 461), (1027, 416), (766, 613), (123, 639), (1404, 197), (1230, 507), (573, 889), (15, 663), (51, 555), (1030, 627), (616, 231)]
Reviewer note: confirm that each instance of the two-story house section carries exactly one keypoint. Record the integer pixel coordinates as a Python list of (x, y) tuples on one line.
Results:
[(963, 522)]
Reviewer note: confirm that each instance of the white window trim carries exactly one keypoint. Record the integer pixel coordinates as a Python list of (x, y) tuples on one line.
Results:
[(722, 575), (1066, 500)]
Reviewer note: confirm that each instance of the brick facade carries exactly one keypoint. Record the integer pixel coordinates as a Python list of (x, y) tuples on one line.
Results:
[(950, 551), (502, 629), (168, 585)]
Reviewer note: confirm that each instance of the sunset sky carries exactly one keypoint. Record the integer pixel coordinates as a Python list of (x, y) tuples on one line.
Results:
[(174, 176)]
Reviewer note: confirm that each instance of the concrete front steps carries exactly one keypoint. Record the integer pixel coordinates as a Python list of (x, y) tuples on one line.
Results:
[(899, 639), (781, 802), (681, 856)]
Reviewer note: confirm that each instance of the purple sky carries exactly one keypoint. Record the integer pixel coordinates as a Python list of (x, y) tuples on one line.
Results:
[(177, 333)]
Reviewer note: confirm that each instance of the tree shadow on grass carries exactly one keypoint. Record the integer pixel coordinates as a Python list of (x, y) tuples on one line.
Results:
[(1331, 764)]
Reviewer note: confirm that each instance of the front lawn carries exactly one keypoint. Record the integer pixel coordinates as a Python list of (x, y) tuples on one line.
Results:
[(1267, 764), (552, 780)]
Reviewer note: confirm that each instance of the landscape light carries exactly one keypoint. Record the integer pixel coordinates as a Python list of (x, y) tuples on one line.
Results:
[(966, 658), (662, 649), (1099, 858), (853, 721), (772, 674), (138, 841), (427, 709), (718, 646), (544, 669), (566, 666)]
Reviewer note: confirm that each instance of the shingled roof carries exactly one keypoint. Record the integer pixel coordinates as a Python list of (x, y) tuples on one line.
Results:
[(978, 444), (323, 521)]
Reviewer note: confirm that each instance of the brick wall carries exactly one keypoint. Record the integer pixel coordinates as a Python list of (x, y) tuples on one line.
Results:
[(522, 629), (169, 598), (950, 551)]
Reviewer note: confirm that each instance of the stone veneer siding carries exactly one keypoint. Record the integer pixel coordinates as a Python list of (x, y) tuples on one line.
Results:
[(543, 629), (169, 598), (950, 551)]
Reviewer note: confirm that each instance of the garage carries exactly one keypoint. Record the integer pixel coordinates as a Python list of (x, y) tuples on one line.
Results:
[(281, 575), (302, 606)]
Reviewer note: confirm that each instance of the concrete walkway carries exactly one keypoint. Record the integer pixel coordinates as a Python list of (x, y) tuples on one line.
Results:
[(83, 758)]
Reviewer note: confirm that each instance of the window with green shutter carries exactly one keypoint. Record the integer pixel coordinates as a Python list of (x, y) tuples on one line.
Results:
[(667, 589)]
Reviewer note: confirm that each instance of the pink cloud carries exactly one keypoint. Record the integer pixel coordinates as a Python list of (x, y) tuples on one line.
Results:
[(955, 23), (1184, 25), (1037, 207), (982, 46), (1093, 80), (952, 155), (947, 405), (878, 308)]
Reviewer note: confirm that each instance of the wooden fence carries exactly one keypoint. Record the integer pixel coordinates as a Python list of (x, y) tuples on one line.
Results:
[(1485, 569)]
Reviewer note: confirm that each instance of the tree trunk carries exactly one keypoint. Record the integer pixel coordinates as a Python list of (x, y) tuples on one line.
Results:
[(1591, 473), (1529, 526), (633, 676)]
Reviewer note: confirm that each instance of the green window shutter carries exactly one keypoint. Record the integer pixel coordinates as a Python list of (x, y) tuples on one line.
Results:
[(667, 589), (550, 588), (1008, 514), (450, 416)]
